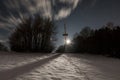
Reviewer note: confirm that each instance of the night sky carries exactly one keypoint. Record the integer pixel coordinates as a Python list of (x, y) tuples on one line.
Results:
[(92, 13), (75, 13)]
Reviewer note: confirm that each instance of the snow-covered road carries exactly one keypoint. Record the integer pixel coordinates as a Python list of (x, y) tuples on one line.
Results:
[(58, 67)]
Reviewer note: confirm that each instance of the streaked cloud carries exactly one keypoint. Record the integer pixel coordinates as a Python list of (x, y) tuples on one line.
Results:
[(69, 6), (44, 7), (13, 11), (63, 13)]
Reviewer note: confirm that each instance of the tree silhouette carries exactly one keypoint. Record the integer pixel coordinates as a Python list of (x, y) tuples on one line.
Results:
[(3, 48), (86, 32), (104, 41), (33, 35), (79, 41)]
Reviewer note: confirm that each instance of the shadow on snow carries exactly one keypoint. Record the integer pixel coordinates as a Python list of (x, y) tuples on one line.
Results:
[(11, 74)]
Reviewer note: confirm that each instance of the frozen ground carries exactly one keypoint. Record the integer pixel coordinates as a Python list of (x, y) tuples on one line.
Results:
[(58, 67)]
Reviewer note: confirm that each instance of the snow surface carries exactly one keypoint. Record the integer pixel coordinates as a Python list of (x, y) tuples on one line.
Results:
[(15, 66)]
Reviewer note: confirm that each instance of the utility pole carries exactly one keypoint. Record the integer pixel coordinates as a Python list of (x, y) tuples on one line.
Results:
[(65, 36)]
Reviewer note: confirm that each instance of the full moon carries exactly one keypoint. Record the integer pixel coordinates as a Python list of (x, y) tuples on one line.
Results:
[(68, 41)]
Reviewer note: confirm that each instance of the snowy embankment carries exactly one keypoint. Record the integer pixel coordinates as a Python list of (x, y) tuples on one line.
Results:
[(58, 67)]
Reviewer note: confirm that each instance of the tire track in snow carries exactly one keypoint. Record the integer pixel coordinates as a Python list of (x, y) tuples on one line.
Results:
[(62, 69), (77, 68)]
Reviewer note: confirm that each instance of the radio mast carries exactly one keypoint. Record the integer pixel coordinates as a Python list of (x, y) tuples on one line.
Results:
[(65, 36)]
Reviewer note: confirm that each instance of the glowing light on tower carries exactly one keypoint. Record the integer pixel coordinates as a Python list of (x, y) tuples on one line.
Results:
[(65, 36)]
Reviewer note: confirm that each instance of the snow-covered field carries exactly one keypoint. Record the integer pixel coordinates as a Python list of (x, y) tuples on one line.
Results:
[(58, 67)]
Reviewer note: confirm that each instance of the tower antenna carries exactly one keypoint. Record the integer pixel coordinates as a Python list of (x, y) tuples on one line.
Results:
[(65, 36)]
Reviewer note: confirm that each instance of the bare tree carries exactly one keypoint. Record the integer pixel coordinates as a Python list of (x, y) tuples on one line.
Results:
[(33, 35)]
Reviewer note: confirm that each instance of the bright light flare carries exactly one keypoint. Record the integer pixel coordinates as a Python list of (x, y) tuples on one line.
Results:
[(68, 41)]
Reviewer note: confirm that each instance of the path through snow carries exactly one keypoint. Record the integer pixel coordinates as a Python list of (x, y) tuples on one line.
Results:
[(58, 67)]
